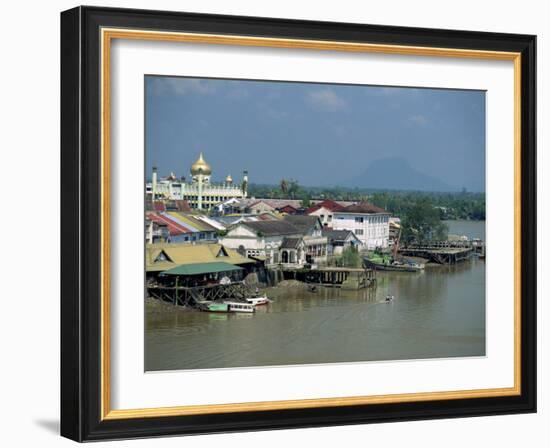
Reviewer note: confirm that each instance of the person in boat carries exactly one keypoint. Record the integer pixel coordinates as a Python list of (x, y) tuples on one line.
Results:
[(389, 298)]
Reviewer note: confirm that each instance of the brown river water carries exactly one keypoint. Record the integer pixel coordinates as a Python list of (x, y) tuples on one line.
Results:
[(437, 313)]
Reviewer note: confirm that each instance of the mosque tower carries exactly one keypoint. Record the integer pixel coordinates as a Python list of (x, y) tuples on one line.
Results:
[(201, 172)]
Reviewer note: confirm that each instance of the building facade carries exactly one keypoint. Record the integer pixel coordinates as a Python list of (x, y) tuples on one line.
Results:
[(200, 192), (340, 240), (325, 211), (369, 223), (278, 241)]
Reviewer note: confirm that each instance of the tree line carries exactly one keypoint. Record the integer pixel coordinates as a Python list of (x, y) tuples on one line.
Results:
[(455, 205)]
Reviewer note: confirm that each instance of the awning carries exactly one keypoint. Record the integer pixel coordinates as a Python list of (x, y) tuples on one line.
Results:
[(201, 268)]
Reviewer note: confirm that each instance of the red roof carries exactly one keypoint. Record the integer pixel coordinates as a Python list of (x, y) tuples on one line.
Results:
[(288, 209), (363, 207), (329, 204)]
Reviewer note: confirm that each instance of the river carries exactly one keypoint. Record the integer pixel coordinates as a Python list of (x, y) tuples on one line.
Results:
[(437, 313)]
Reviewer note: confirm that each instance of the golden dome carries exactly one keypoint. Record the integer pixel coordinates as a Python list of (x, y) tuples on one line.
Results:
[(229, 179), (201, 167)]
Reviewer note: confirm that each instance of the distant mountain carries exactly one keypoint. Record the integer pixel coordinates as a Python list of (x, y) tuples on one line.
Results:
[(397, 174)]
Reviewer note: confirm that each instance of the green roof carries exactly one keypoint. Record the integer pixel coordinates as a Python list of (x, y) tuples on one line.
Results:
[(202, 268)]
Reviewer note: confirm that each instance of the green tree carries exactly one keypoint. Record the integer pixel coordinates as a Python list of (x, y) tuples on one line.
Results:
[(350, 258), (293, 189), (422, 223), (306, 201)]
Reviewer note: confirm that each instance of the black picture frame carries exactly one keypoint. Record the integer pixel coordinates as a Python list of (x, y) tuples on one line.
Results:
[(81, 224)]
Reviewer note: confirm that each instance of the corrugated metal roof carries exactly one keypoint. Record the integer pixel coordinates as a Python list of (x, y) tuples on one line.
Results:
[(186, 253), (270, 228), (175, 228), (290, 243), (191, 221), (329, 204), (202, 268), (303, 222)]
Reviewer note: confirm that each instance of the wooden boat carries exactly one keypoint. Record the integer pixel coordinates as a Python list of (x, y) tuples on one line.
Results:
[(381, 263)]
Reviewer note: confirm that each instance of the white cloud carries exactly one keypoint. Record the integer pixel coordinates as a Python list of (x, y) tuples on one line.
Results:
[(181, 86), (325, 99)]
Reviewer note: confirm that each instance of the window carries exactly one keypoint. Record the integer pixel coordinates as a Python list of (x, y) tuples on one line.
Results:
[(359, 219), (359, 231)]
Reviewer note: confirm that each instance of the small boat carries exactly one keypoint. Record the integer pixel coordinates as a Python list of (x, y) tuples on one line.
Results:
[(389, 298), (214, 307), (386, 263), (240, 307), (258, 300), (312, 288)]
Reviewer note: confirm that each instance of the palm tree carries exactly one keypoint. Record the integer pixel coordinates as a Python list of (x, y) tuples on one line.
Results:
[(284, 186)]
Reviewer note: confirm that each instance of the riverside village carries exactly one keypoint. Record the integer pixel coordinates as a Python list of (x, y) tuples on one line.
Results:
[(212, 246)]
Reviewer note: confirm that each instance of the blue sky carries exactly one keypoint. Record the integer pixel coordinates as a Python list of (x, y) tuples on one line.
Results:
[(318, 134)]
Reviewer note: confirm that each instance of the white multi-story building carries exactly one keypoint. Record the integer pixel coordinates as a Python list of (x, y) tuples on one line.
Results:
[(369, 223), (200, 192)]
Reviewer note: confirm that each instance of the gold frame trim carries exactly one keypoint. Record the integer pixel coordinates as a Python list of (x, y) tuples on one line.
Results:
[(107, 35)]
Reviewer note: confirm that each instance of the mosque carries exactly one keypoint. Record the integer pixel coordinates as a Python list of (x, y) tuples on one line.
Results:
[(200, 193)]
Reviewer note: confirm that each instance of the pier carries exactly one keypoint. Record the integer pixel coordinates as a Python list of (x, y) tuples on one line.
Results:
[(334, 277), (194, 295), (445, 252)]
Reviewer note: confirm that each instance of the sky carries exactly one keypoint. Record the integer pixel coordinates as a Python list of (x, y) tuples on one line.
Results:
[(317, 134)]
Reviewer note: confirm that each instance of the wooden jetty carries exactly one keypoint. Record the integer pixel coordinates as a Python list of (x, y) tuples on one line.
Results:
[(192, 296), (445, 252), (335, 277)]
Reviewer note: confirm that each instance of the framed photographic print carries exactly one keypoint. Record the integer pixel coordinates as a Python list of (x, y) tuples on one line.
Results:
[(274, 223)]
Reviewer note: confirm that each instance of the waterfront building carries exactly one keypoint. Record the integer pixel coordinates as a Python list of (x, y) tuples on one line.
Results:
[(164, 256), (200, 192), (368, 222), (325, 211), (279, 241), (261, 239), (183, 227), (311, 229), (339, 240)]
